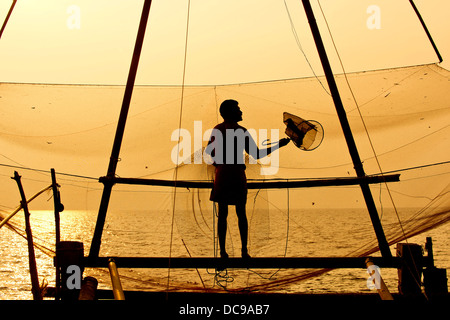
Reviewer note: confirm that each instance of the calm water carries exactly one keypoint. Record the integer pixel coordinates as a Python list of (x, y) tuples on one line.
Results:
[(308, 233)]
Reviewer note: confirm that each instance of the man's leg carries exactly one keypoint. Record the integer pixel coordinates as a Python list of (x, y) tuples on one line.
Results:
[(243, 228), (222, 228)]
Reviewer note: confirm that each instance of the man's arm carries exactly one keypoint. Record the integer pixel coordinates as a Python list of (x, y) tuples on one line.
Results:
[(252, 149)]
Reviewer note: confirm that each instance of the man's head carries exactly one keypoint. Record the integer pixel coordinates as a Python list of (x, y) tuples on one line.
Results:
[(229, 110)]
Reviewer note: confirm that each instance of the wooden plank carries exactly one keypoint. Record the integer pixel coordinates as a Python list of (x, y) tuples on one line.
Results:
[(256, 263), (270, 184)]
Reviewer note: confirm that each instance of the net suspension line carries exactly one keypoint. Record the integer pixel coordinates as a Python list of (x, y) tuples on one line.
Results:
[(365, 127), (297, 40), (179, 136), (357, 105)]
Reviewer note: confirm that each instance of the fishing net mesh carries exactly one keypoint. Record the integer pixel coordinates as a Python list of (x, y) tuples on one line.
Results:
[(71, 128)]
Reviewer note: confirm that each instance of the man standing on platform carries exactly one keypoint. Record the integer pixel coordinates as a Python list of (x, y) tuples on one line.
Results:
[(226, 147)]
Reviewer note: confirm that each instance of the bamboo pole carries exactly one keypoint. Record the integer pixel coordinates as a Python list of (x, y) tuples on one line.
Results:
[(37, 295), (346, 181), (7, 17), (422, 22), (114, 158), (378, 281), (115, 280), (371, 207), (58, 208), (5, 221), (57, 204)]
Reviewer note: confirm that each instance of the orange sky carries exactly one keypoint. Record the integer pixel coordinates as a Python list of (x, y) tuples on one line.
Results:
[(229, 42), (80, 41)]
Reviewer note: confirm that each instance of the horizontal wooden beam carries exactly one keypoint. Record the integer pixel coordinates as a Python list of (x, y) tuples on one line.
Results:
[(256, 263), (270, 184)]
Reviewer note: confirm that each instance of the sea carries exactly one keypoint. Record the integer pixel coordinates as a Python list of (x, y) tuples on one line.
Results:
[(308, 233)]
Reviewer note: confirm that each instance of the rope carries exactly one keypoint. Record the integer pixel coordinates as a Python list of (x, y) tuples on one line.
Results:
[(297, 40), (178, 145), (47, 171), (365, 129)]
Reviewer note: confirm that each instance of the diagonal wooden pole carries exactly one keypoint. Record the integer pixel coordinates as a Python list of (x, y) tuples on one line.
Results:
[(382, 242), (96, 240), (422, 22), (7, 18)]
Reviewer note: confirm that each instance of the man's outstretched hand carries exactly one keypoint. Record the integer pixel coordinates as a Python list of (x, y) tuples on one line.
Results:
[(283, 142)]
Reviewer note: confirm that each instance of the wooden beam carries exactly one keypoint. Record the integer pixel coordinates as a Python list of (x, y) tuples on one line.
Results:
[(351, 144), (106, 195), (256, 263), (347, 181)]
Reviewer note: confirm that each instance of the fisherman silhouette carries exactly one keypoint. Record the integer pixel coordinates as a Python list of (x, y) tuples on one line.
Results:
[(226, 147)]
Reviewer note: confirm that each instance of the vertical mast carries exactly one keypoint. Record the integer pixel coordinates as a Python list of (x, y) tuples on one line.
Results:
[(382, 242), (96, 240)]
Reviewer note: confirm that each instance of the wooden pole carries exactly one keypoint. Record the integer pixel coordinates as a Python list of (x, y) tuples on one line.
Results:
[(382, 242), (5, 221), (58, 208), (378, 281), (436, 50), (115, 280), (7, 17), (96, 240), (57, 204), (37, 295), (310, 183)]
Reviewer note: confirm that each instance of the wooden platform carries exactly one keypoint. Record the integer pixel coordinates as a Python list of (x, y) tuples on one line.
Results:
[(256, 263)]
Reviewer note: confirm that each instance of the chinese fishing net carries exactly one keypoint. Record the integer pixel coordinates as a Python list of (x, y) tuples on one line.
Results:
[(71, 128), (144, 220)]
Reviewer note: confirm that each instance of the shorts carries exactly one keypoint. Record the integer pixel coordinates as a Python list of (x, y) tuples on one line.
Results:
[(230, 184)]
